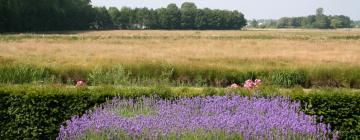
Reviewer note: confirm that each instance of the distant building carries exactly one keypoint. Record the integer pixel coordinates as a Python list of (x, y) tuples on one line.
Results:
[(138, 26)]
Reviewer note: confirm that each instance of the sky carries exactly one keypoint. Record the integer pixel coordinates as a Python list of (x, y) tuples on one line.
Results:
[(254, 9)]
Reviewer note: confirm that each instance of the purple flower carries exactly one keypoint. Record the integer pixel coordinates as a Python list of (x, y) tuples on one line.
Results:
[(249, 117)]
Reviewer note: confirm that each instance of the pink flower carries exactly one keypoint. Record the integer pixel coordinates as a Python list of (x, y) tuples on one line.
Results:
[(234, 86), (249, 84), (80, 83), (257, 82)]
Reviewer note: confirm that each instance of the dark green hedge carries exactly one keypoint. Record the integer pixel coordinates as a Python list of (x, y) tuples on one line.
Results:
[(339, 108), (38, 113), (28, 112)]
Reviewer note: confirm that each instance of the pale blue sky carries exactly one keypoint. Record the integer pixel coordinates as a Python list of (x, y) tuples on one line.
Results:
[(258, 9)]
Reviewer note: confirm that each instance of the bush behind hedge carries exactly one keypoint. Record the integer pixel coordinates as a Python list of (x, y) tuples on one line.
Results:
[(36, 112), (150, 74)]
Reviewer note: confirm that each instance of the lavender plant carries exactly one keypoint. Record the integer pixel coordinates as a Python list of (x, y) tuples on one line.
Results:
[(211, 117)]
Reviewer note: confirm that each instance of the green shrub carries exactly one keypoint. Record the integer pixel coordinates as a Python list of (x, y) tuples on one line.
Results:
[(36, 112), (174, 75), (340, 108), (210, 91), (167, 73), (70, 75), (114, 76), (19, 74), (162, 91), (335, 77), (289, 78)]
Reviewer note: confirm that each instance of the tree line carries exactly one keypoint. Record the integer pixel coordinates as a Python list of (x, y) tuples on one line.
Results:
[(45, 15), (357, 24), (319, 21), (53, 15)]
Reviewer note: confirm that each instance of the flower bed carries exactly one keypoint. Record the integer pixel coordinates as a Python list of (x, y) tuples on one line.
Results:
[(211, 117)]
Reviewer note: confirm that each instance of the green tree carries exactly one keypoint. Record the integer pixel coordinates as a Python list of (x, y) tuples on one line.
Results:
[(115, 16), (304, 23), (236, 20), (125, 15), (188, 15), (340, 22), (283, 22), (4, 15), (208, 18), (336, 23), (321, 20), (170, 17), (311, 21), (174, 14), (201, 19), (320, 12), (356, 24), (46, 15), (143, 16), (69, 14), (296, 22), (152, 20), (102, 19), (254, 23)]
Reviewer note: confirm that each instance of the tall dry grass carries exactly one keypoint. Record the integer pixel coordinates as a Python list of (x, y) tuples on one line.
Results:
[(264, 49)]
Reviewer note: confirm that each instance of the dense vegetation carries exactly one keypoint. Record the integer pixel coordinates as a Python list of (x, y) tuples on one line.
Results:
[(191, 58), (38, 71), (201, 118), (150, 74), (35, 15), (319, 21), (172, 17), (45, 15), (36, 112), (357, 24)]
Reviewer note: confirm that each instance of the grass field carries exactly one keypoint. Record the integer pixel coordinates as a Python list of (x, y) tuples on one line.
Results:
[(240, 50)]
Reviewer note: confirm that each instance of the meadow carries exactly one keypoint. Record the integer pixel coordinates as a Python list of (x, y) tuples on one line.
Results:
[(260, 49), (311, 74), (210, 58)]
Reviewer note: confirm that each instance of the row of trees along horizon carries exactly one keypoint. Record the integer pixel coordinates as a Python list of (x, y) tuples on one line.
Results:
[(57, 15), (48, 15), (319, 21)]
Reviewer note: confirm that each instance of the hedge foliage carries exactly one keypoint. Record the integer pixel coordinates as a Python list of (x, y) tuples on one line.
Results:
[(339, 108), (28, 112), (36, 112)]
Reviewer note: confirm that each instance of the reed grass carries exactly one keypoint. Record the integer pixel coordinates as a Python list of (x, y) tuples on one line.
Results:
[(161, 74)]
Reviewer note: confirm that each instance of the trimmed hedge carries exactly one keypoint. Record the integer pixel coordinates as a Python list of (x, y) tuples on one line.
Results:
[(339, 108), (29, 112), (38, 113)]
